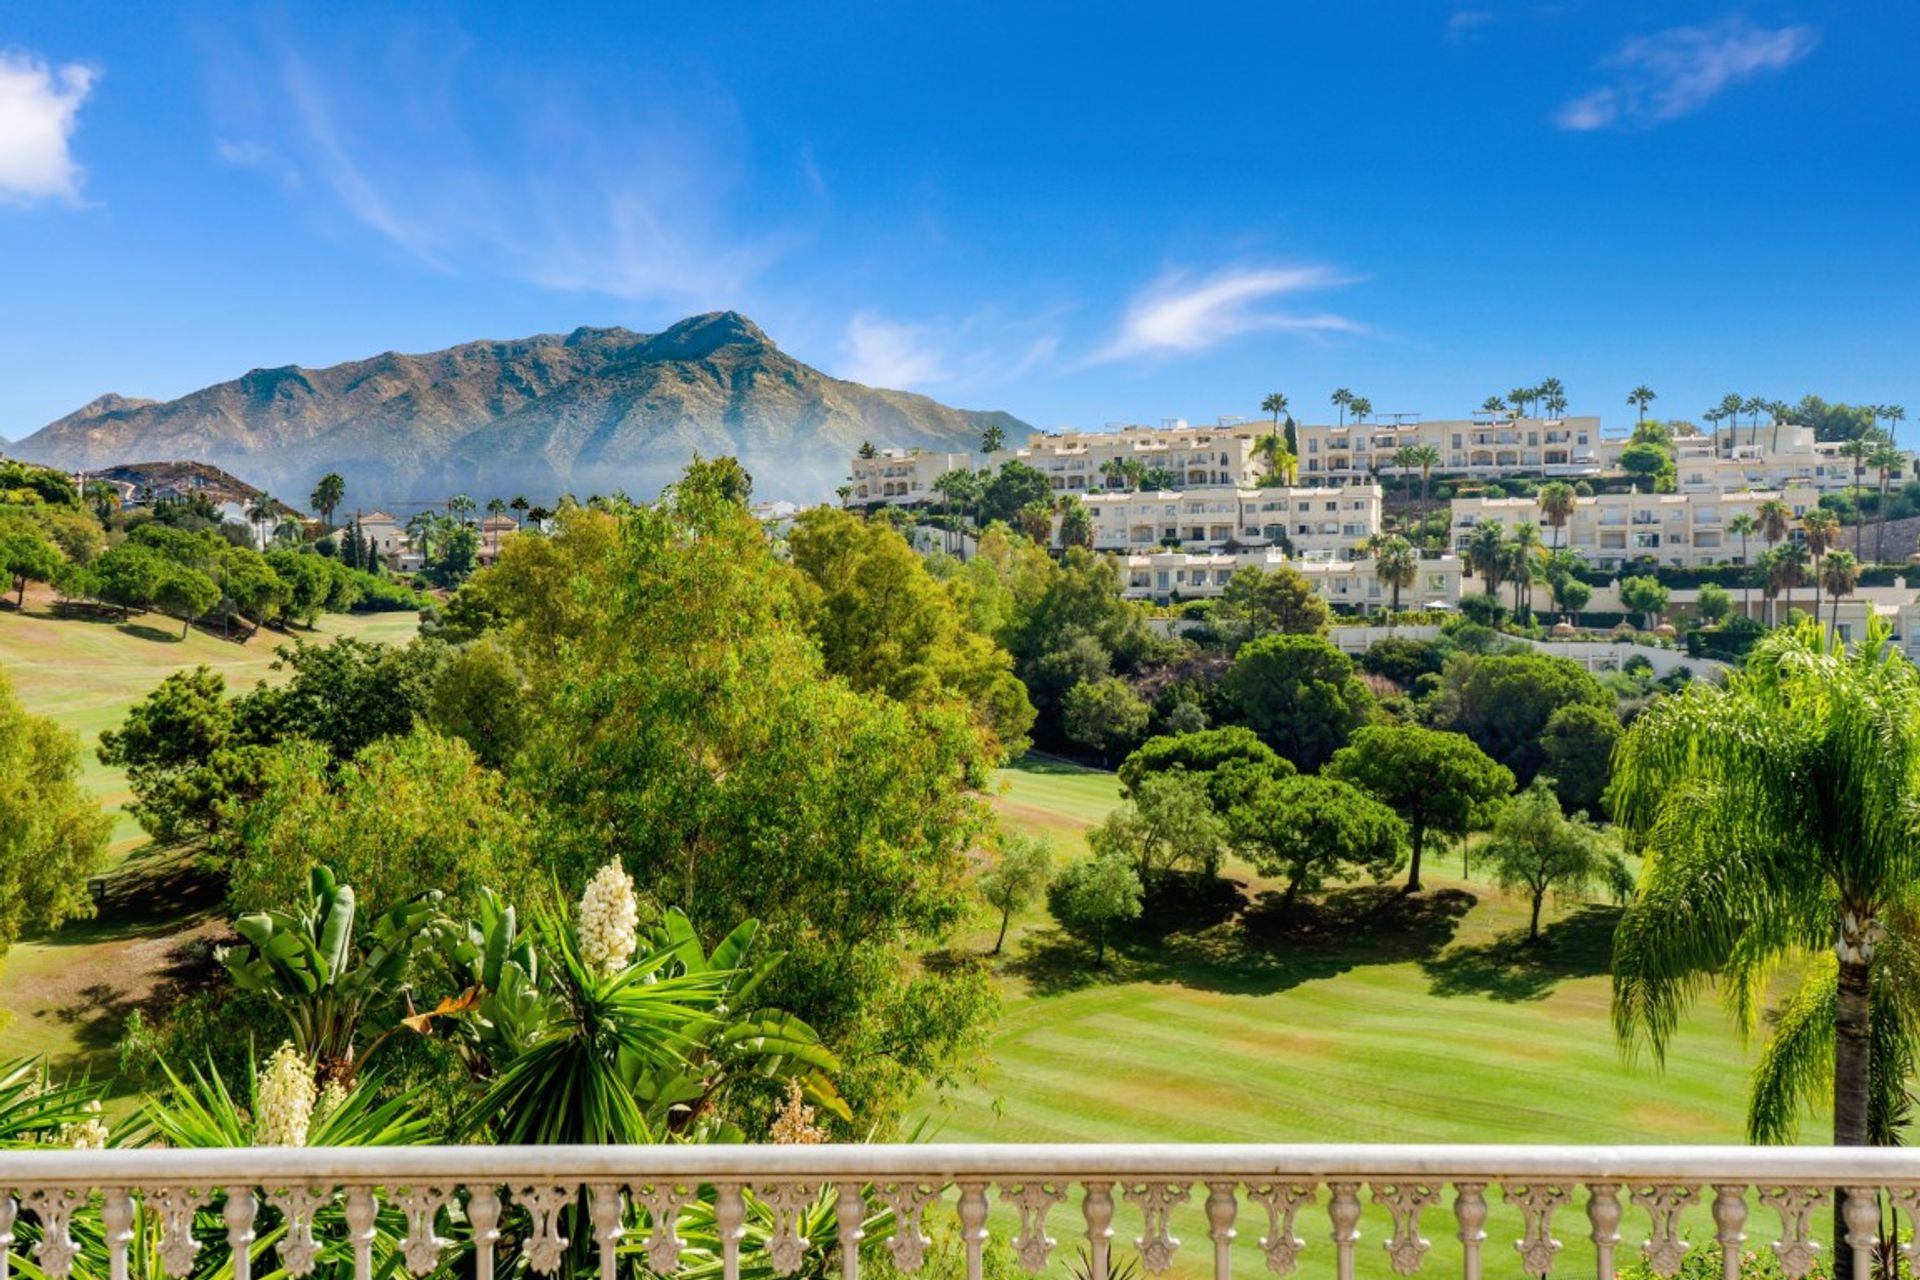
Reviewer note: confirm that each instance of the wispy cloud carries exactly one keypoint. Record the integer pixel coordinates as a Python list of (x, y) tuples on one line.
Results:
[(1178, 313), (39, 110), (1672, 73), (1464, 24), (470, 169), (984, 350)]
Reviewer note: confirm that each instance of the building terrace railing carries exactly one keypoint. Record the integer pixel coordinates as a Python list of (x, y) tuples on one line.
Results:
[(309, 1205)]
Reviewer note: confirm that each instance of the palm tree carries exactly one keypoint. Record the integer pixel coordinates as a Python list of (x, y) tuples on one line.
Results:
[(1859, 449), (1820, 526), (1777, 818), (866, 452), (423, 526), (1396, 564), (259, 511), (1275, 404), (1114, 472), (1272, 447), (1555, 405), (1551, 389), (103, 496), (1745, 526), (1839, 576), (1426, 457), (1520, 398), (1713, 418), (1775, 517), (460, 506), (327, 495), (1788, 569), (1893, 415), (1486, 553), (1885, 459), (1523, 550), (1557, 501), (1640, 397), (1341, 398), (1755, 405), (1361, 407), (993, 439), (519, 506), (1493, 405)]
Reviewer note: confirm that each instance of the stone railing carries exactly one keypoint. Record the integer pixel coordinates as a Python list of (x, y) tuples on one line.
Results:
[(781, 1209)]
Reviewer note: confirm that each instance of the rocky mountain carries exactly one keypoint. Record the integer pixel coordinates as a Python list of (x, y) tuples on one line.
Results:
[(586, 412)]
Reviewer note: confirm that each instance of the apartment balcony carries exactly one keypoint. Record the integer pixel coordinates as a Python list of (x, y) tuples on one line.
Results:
[(787, 1210)]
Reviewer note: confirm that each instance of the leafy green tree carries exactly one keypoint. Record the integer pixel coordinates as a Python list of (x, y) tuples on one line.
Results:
[(688, 721), (480, 698), (1576, 748), (308, 582), (1714, 603), (1092, 896), (885, 623), (129, 575), (187, 593), (1314, 829), (178, 746), (1202, 753), (1017, 878), (1536, 850), (1106, 715), (1776, 818), (344, 695), (1439, 783), (1646, 462), (1644, 596), (1013, 487), (27, 555), (53, 835), (1168, 825), (456, 553), (1277, 601), (406, 813), (1300, 694), (1503, 702)]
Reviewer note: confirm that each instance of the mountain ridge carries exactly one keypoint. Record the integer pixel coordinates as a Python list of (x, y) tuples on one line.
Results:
[(592, 410)]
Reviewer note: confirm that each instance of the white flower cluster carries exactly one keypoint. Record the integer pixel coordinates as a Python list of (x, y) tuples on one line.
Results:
[(794, 1126), (88, 1135), (283, 1100), (609, 920)]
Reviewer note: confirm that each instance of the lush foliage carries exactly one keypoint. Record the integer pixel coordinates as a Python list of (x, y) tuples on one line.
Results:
[(52, 833)]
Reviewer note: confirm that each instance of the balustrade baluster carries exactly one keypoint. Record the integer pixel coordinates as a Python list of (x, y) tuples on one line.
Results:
[(1796, 1248), (1280, 1244), (1470, 1212), (1156, 1241), (1031, 1243), (238, 1214), (1405, 1201), (1097, 1207), (1603, 1216), (609, 1212), (1664, 1248), (483, 1218), (1222, 1209), (729, 1217), (1537, 1202), (1729, 1216), (973, 1224), (1344, 1209), (362, 1212), (849, 1221), (1860, 1210), (116, 1221)]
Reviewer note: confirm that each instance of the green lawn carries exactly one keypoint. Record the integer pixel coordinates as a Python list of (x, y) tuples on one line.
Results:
[(67, 995), (1372, 1018)]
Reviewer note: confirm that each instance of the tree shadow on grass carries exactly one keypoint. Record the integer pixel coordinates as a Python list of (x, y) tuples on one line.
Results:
[(1510, 968), (1261, 948), (141, 631)]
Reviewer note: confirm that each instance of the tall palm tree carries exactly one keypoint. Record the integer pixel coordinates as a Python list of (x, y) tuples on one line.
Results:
[(423, 527), (259, 511), (993, 439), (1275, 404), (1777, 815), (519, 506), (460, 507), (1426, 457), (1486, 553), (1361, 407), (1775, 518), (1340, 399), (328, 495), (1820, 527), (1885, 460), (1557, 501), (1551, 391), (1396, 564), (1520, 398), (1730, 410), (1640, 397), (1272, 448), (1745, 526), (1755, 406), (1840, 575), (1523, 551), (1493, 405), (1858, 449), (1789, 570), (1893, 415)]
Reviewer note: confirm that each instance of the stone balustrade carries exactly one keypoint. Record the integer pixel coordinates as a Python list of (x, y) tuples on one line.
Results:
[(711, 1209)]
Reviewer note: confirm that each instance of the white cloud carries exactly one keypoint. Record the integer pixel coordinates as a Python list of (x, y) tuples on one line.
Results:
[(39, 107), (1177, 313), (982, 351), (1672, 73)]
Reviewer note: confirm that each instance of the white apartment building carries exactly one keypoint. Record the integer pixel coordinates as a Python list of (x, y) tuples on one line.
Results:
[(1774, 457), (1073, 461), (1609, 529), (902, 477), (1349, 584), (1561, 448), (1317, 523)]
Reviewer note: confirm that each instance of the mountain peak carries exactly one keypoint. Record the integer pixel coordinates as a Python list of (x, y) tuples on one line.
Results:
[(700, 336)]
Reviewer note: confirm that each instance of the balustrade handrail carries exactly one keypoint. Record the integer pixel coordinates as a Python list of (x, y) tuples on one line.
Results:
[(1880, 1166)]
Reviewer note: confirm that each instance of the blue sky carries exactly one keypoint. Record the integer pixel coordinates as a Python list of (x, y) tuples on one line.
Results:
[(1077, 215)]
